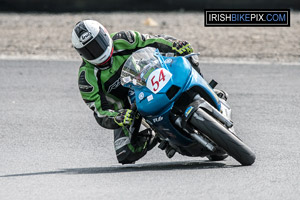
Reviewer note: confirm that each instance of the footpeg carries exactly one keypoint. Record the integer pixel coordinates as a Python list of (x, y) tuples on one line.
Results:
[(163, 145), (170, 152)]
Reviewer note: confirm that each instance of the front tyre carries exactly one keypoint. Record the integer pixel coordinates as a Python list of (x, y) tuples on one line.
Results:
[(217, 157), (208, 125)]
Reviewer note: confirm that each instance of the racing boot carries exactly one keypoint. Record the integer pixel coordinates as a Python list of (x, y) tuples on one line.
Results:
[(150, 137), (164, 145), (170, 152)]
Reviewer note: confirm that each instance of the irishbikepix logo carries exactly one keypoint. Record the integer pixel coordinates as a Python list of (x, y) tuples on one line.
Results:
[(244, 17)]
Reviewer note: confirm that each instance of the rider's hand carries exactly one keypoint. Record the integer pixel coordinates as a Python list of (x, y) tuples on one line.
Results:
[(182, 48), (125, 117)]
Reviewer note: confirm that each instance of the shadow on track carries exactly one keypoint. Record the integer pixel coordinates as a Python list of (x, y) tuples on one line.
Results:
[(180, 165)]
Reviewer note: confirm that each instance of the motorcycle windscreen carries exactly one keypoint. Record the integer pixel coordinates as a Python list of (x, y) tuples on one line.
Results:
[(139, 66)]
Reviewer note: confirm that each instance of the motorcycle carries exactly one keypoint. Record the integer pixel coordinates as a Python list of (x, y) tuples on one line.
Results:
[(182, 108)]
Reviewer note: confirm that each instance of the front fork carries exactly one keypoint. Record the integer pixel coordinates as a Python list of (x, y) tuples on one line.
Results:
[(224, 116)]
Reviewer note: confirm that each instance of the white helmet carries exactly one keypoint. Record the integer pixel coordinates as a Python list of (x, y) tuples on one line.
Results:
[(92, 42)]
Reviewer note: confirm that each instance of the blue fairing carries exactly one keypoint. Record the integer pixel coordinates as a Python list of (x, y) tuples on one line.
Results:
[(155, 108), (184, 77)]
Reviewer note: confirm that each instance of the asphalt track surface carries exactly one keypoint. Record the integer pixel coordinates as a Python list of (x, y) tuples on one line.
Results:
[(52, 148)]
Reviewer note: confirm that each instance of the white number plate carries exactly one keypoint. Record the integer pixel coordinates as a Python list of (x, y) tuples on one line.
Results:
[(158, 79)]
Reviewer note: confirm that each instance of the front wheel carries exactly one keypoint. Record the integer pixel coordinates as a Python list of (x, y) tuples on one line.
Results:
[(213, 129), (217, 157)]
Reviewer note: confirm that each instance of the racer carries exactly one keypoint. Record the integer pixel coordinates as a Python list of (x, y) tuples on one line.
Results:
[(103, 56)]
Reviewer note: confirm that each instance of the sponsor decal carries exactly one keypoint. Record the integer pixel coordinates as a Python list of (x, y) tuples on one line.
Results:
[(141, 96), (158, 119), (85, 88), (245, 17), (114, 85), (85, 37), (169, 60), (188, 111), (150, 97)]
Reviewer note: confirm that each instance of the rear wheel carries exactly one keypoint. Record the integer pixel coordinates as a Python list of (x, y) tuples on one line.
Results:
[(225, 139)]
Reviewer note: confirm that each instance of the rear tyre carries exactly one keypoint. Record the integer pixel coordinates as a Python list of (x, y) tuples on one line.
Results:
[(225, 139)]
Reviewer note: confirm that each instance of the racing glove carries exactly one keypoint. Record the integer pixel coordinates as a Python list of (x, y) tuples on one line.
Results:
[(125, 117), (182, 48)]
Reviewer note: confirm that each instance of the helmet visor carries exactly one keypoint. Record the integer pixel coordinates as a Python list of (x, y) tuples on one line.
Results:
[(95, 48)]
